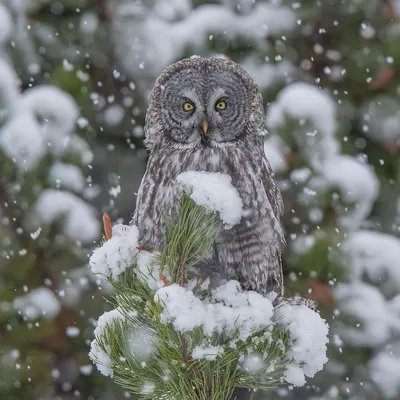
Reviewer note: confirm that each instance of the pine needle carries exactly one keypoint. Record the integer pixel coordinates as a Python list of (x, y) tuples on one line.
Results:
[(168, 372)]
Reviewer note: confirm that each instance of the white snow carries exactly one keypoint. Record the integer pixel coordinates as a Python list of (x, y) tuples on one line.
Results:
[(295, 375), (77, 282), (148, 269), (140, 344), (89, 23), (300, 175), (373, 255), (101, 358), (81, 222), (40, 302), (114, 114), (171, 10), (376, 320), (305, 102), (268, 75), (41, 120), (117, 254), (215, 192), (67, 176), (253, 363), (357, 184), (120, 252), (6, 24), (206, 352), (107, 319), (302, 244), (159, 42), (394, 305), (147, 388), (80, 146), (227, 310), (21, 140), (8, 88), (56, 112), (380, 119), (309, 333), (86, 369), (385, 373), (230, 309), (72, 331), (274, 149)]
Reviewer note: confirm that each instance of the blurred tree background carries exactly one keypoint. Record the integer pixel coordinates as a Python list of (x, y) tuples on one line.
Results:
[(75, 76)]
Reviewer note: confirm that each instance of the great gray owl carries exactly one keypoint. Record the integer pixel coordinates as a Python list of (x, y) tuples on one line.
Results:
[(206, 114)]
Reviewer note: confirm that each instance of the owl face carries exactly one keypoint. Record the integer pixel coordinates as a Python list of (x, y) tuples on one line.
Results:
[(204, 107)]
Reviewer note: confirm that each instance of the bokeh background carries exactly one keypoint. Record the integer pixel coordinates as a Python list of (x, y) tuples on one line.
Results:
[(75, 76)]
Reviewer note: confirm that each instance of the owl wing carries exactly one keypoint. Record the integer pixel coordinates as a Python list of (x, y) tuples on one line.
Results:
[(271, 188), (275, 199)]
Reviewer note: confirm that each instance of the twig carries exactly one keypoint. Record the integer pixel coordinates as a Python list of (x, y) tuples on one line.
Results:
[(107, 226), (186, 359)]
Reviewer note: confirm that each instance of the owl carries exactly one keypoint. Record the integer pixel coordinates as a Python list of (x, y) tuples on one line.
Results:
[(206, 114)]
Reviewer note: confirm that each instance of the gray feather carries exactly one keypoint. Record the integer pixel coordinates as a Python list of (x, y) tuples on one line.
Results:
[(250, 251)]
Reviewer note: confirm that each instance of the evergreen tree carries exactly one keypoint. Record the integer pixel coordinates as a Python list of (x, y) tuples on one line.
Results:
[(173, 335), (46, 222), (328, 71)]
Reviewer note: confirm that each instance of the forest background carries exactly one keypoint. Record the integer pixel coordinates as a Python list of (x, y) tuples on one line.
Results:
[(75, 77)]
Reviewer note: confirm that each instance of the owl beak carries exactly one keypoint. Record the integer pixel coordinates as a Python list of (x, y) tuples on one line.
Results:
[(205, 127)]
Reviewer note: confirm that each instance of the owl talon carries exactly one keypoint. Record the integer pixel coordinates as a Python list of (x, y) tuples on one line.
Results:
[(144, 248)]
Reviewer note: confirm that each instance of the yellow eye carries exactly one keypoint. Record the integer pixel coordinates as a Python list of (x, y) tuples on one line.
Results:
[(188, 106), (221, 105)]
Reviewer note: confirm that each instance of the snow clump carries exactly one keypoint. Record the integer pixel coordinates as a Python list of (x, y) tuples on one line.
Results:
[(215, 192)]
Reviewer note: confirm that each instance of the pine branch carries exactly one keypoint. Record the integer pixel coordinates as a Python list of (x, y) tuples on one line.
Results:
[(190, 236), (147, 352)]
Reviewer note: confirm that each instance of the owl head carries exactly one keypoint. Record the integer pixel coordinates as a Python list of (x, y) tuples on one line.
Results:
[(203, 102)]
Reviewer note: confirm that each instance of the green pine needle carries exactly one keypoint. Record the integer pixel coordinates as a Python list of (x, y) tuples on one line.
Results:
[(189, 237), (169, 372)]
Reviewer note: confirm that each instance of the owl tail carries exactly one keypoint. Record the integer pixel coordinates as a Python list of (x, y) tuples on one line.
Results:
[(274, 282), (296, 301)]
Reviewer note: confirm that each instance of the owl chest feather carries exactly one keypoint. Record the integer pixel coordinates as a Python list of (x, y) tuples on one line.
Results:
[(245, 174), (158, 193)]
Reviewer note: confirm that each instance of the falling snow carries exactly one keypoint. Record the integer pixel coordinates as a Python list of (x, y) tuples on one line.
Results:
[(75, 81)]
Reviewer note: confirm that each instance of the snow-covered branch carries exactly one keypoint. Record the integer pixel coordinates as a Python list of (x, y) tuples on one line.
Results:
[(168, 335)]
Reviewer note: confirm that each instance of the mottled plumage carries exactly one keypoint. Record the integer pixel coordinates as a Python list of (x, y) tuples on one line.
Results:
[(234, 145)]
